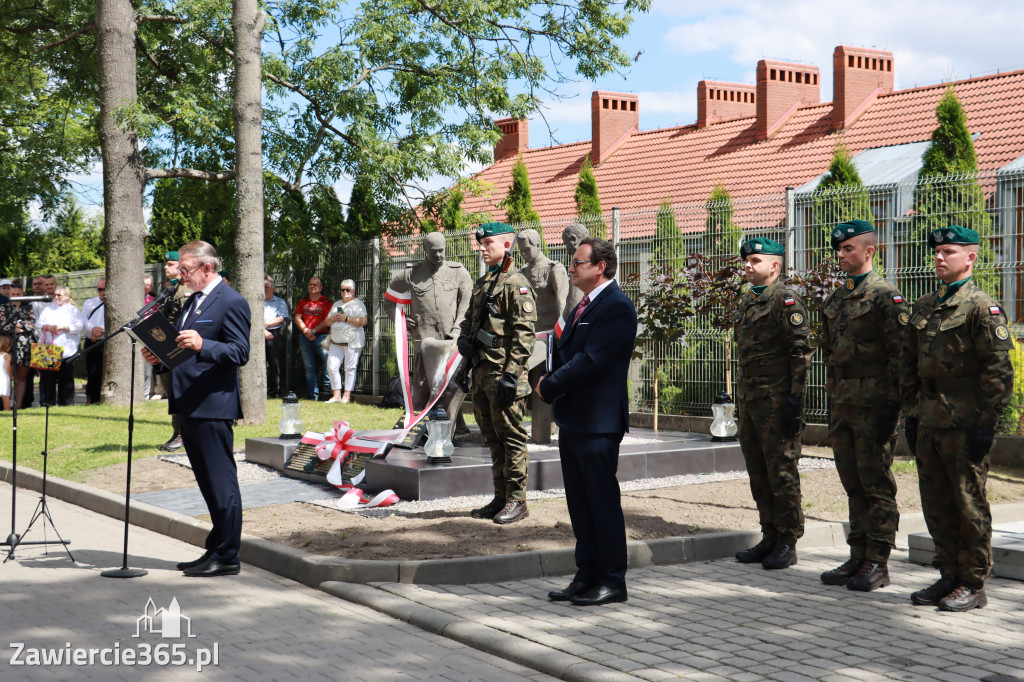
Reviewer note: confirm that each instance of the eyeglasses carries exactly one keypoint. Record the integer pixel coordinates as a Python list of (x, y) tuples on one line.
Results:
[(577, 263), (347, 289), (184, 271), (101, 288)]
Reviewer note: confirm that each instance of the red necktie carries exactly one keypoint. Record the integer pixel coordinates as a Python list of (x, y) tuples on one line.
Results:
[(579, 311)]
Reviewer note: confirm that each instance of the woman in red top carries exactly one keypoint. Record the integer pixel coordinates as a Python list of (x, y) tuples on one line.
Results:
[(310, 313)]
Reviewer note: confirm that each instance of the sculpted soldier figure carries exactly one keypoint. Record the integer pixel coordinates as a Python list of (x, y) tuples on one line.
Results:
[(773, 352), (503, 345), (550, 283), (440, 293), (864, 330), (572, 235), (959, 347)]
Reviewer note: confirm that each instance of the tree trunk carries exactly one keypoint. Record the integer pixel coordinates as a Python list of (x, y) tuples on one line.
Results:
[(123, 180), (247, 23)]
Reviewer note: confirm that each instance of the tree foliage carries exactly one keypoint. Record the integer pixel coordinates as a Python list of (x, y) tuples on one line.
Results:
[(72, 241), (669, 245), (362, 220), (721, 234), (518, 203), (840, 196), (588, 201)]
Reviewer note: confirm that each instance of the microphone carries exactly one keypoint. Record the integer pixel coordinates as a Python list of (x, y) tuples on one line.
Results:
[(31, 299), (167, 293)]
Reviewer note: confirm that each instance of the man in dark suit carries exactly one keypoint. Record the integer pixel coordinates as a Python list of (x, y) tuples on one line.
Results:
[(587, 385), (205, 395)]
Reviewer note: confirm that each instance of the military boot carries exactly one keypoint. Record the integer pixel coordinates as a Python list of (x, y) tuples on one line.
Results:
[(871, 576), (964, 598), (756, 553), (842, 574), (489, 510), (513, 511), (933, 594), (783, 556)]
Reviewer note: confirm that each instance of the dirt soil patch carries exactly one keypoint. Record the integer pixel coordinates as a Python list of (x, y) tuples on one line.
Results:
[(666, 512)]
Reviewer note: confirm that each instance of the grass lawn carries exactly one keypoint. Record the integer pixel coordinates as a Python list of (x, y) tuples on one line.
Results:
[(86, 437)]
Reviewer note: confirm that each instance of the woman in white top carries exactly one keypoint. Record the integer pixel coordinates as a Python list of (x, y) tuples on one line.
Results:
[(347, 338), (6, 368), (61, 323)]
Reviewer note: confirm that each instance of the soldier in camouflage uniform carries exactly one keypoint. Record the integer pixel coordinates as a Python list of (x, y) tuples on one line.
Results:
[(172, 309), (964, 378), (864, 330), (500, 385), (773, 352)]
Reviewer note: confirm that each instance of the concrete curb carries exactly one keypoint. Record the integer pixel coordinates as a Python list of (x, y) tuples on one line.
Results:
[(312, 569), (510, 647)]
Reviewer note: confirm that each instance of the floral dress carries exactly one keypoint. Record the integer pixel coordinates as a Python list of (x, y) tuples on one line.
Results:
[(22, 341)]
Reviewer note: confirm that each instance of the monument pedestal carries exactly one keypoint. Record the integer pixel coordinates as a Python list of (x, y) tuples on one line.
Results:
[(1007, 550)]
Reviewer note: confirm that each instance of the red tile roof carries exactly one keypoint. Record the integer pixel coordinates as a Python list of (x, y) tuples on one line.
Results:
[(683, 164)]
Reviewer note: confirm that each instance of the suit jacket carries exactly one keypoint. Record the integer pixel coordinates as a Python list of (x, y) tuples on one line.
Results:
[(206, 386), (587, 383)]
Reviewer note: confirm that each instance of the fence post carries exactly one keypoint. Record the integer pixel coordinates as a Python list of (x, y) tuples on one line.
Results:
[(790, 230), (376, 315), (615, 231)]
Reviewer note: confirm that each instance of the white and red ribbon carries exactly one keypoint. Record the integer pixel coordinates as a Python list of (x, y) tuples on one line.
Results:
[(339, 444), (559, 326), (356, 499), (412, 418)]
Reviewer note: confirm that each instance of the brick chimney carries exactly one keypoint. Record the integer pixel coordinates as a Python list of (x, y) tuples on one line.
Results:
[(614, 116), (724, 101), (860, 75), (782, 88), (515, 138)]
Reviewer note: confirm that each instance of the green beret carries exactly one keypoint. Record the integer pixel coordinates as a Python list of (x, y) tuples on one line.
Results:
[(224, 273), (852, 228), (171, 255), (491, 229), (954, 234), (762, 246)]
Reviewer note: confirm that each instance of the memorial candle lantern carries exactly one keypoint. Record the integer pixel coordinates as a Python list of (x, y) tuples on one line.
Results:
[(439, 447), (723, 427), (291, 423)]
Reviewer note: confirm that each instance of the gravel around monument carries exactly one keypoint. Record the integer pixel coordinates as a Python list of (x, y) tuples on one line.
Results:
[(446, 533)]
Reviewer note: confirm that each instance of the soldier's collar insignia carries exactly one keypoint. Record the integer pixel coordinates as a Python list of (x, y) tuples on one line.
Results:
[(850, 284), (942, 291), (946, 291)]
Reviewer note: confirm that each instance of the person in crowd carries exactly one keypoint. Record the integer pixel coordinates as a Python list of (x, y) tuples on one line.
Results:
[(591, 405), (148, 383), (18, 322), (959, 346), (5, 290), (773, 354), (6, 371), (61, 324), (310, 312), (172, 310), (225, 275), (864, 331), (47, 287), (275, 312), (345, 321), (93, 314)]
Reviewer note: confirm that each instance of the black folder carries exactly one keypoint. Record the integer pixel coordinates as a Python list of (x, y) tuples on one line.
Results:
[(157, 334)]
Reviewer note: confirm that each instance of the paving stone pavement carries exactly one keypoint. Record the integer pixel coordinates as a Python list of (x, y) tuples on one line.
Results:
[(722, 620), (265, 627)]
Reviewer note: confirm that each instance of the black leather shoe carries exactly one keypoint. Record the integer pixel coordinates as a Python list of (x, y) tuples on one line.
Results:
[(489, 510), (181, 566), (513, 511), (782, 556), (756, 553), (173, 444), (211, 568), (842, 574), (964, 598), (569, 592), (600, 595), (933, 594), (871, 576)]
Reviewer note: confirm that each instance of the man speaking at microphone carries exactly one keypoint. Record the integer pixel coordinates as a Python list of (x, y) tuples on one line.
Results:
[(587, 385), (205, 394)]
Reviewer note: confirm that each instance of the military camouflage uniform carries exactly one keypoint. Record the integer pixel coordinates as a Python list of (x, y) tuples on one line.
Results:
[(511, 320), (864, 330), (773, 354), (172, 311), (964, 380)]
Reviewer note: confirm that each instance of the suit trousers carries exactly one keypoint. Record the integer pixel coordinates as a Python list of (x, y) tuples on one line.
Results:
[(209, 445), (274, 347), (589, 464), (94, 372)]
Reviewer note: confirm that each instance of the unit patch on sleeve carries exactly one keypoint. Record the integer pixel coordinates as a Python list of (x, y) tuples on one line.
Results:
[(1002, 333), (789, 301), (995, 310), (796, 319), (897, 298)]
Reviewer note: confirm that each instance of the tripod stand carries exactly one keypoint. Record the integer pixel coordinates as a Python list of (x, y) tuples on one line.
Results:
[(42, 509)]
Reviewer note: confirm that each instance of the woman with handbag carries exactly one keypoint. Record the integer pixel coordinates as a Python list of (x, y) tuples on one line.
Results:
[(346, 319), (18, 321), (61, 325)]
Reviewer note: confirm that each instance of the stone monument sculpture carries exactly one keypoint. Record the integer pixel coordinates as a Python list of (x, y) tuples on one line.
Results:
[(550, 283), (440, 292), (572, 235)]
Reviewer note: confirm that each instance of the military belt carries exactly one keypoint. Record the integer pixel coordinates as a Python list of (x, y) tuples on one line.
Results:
[(932, 384), (859, 372), (764, 370)]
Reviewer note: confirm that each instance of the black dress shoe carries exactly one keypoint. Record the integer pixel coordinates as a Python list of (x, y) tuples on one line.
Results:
[(574, 588), (757, 553), (211, 568), (181, 566), (871, 576), (783, 556), (602, 594)]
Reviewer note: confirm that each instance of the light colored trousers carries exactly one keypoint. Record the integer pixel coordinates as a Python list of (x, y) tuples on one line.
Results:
[(340, 356)]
